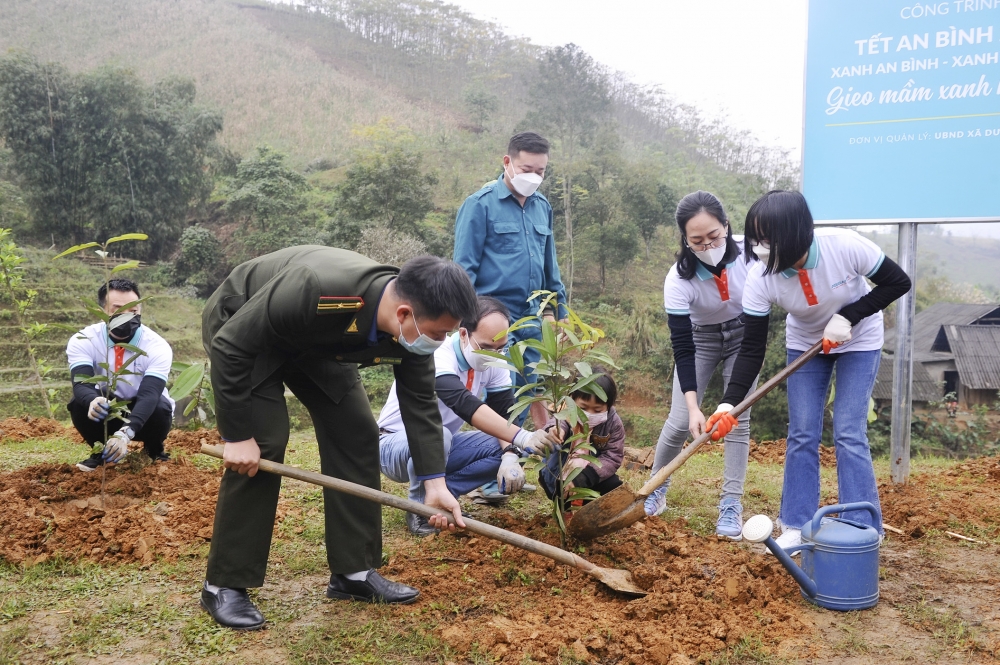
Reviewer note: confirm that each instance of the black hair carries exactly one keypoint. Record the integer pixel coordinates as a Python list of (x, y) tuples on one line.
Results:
[(606, 383), (691, 205), (528, 142), (486, 305), (782, 219), (434, 286), (117, 284)]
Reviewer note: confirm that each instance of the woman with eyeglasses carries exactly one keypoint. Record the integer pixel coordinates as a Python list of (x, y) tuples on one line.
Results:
[(703, 297), (819, 277)]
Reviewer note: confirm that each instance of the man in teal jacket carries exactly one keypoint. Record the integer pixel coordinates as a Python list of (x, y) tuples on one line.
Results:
[(503, 239)]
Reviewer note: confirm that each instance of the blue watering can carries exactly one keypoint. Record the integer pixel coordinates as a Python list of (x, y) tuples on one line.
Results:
[(839, 557)]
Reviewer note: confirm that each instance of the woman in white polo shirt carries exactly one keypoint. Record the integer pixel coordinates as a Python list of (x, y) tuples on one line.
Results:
[(818, 277), (702, 295)]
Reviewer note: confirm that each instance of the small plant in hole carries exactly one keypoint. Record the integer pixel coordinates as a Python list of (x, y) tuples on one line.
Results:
[(568, 353)]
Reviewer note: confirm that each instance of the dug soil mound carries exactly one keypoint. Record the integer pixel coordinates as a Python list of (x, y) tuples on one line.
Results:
[(55, 509), (190, 441), (966, 495), (704, 595), (773, 452), (26, 427)]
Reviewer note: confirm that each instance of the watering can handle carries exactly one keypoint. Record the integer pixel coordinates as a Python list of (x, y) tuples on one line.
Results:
[(842, 508)]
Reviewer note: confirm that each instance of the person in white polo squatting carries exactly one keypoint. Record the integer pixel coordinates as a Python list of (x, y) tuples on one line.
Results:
[(151, 410), (703, 296), (470, 392), (818, 277)]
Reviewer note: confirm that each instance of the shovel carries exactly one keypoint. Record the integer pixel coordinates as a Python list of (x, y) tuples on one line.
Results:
[(621, 507), (618, 580)]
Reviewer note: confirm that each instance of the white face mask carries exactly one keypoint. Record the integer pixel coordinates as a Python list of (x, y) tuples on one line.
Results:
[(711, 256), (477, 361), (595, 419), (423, 346), (524, 184), (762, 250)]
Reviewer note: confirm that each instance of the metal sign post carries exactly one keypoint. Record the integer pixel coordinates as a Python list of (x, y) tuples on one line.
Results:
[(902, 360)]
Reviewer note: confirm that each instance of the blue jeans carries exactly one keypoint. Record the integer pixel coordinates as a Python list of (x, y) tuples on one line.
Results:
[(714, 346), (807, 390), (472, 459), (530, 356)]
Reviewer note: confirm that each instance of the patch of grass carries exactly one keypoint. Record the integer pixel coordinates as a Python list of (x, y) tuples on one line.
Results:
[(852, 642), (22, 454), (750, 650), (13, 641), (945, 624), (370, 636)]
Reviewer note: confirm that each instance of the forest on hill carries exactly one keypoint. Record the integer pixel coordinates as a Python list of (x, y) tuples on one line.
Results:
[(227, 129)]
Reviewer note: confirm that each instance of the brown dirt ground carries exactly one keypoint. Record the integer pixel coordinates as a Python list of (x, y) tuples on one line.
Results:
[(26, 427), (704, 594), (773, 452)]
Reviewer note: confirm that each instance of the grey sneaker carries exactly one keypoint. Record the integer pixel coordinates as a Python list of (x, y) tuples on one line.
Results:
[(92, 463), (730, 523), (656, 502)]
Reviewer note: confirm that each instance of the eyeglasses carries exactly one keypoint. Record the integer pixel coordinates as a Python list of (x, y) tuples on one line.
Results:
[(489, 347), (704, 246)]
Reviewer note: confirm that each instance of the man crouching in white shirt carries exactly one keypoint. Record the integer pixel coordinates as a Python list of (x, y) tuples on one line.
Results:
[(468, 392), (143, 388)]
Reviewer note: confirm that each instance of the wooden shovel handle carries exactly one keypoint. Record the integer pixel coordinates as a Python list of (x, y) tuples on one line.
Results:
[(386, 499), (661, 476)]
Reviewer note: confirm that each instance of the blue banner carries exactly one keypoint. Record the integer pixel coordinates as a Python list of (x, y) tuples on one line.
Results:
[(902, 110)]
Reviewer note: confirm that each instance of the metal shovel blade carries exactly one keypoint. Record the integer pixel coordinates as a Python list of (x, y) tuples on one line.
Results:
[(612, 512)]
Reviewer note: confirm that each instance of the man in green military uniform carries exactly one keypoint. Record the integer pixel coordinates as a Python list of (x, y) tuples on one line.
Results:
[(306, 318)]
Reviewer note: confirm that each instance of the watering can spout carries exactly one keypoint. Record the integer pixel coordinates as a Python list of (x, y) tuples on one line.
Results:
[(808, 586), (758, 530)]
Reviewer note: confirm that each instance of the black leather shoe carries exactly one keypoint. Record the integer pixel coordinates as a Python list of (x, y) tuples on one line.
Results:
[(232, 608), (418, 525), (375, 589)]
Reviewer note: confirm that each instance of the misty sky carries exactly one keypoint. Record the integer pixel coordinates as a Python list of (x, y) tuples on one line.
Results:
[(741, 59)]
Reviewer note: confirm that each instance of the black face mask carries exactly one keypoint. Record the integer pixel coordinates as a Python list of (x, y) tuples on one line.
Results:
[(126, 331)]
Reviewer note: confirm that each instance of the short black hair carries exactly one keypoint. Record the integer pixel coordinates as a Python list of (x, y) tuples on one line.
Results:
[(117, 284), (691, 205), (527, 142), (486, 305), (607, 384), (782, 219), (434, 286)]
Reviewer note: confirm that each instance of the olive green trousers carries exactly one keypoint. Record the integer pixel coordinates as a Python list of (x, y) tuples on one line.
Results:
[(348, 447)]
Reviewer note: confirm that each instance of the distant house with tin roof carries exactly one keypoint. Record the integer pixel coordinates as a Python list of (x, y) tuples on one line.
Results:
[(957, 347)]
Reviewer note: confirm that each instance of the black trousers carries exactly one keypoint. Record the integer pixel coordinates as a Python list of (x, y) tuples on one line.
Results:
[(348, 448), (153, 433), (587, 479)]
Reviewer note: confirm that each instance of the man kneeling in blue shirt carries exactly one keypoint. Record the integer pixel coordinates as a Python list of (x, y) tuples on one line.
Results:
[(468, 392)]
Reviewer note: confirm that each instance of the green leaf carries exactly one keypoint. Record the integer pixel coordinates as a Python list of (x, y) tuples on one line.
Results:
[(130, 305), (128, 265), (583, 368), (190, 407), (76, 248), (126, 236), (120, 319), (178, 366), (583, 493), (187, 381), (210, 398)]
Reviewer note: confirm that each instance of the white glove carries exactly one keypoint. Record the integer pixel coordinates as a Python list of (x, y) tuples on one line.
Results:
[(538, 442), (98, 410), (117, 446), (838, 329), (510, 477)]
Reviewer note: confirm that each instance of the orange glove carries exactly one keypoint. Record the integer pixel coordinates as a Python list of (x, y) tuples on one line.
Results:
[(726, 422), (827, 345)]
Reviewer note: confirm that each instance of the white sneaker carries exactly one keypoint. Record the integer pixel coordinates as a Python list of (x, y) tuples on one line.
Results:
[(788, 538)]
